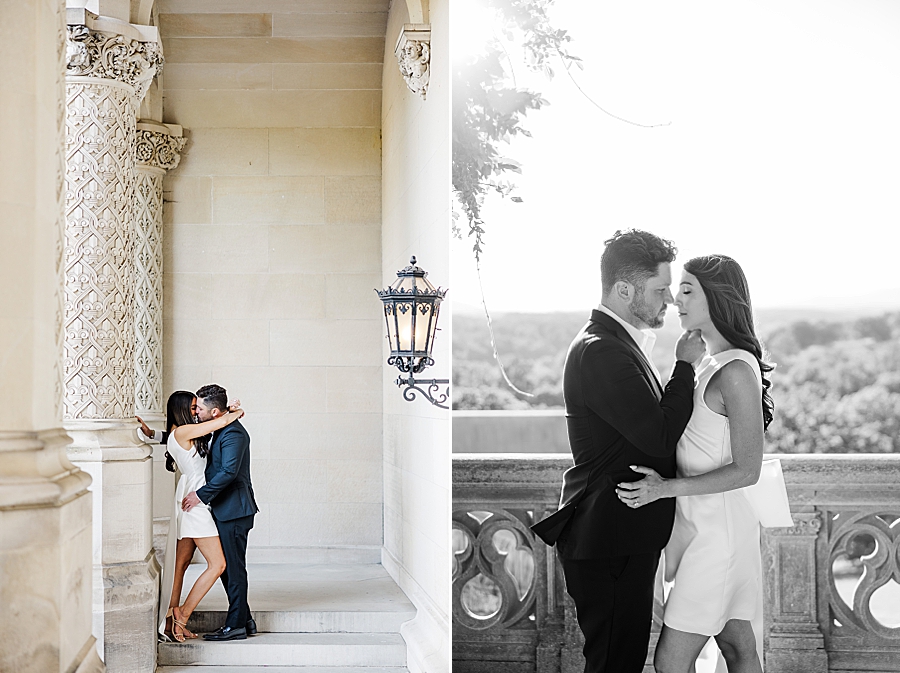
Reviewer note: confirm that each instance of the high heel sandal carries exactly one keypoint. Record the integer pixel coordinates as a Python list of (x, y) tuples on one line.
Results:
[(185, 633), (167, 636)]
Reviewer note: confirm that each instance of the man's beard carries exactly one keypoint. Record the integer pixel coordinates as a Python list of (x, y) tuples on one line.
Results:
[(640, 310)]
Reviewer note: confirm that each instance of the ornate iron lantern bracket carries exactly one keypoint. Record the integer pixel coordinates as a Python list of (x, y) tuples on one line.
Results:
[(431, 393), (411, 307)]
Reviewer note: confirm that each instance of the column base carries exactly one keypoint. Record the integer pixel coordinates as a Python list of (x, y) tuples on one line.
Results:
[(796, 661), (427, 635), (126, 603), (91, 662), (45, 590), (125, 570)]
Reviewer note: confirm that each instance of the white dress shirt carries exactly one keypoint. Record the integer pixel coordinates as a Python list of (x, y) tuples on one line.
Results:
[(644, 338), (155, 439)]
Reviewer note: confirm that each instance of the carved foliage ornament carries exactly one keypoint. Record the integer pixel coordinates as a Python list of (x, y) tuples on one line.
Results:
[(108, 56), (414, 57), (159, 150), (98, 361), (59, 226), (148, 292)]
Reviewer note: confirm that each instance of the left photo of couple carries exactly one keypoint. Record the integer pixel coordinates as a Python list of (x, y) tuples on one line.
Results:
[(223, 354)]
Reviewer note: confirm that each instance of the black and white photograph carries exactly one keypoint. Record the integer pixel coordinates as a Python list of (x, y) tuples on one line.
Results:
[(676, 336)]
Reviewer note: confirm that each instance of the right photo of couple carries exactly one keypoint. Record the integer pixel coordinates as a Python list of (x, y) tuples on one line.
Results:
[(676, 338), (663, 467)]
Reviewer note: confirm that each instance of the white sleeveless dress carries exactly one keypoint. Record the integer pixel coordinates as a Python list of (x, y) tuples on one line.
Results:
[(713, 556), (196, 523)]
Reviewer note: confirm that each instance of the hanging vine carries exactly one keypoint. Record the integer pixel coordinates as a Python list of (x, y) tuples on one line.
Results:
[(488, 108)]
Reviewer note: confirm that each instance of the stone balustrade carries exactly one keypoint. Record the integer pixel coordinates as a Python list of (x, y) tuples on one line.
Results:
[(832, 598)]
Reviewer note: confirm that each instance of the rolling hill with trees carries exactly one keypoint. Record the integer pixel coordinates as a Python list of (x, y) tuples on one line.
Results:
[(836, 386)]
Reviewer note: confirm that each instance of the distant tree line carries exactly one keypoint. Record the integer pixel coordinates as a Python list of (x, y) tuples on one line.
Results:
[(836, 386)]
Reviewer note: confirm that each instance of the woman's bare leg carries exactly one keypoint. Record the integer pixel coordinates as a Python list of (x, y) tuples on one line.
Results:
[(677, 651), (184, 552), (738, 645), (211, 548)]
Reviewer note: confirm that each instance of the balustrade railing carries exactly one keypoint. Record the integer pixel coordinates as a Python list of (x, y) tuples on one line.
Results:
[(832, 581)]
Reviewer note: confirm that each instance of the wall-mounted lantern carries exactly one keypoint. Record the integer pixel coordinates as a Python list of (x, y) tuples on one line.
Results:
[(411, 307)]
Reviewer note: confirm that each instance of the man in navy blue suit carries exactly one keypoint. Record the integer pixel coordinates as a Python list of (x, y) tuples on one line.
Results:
[(229, 494)]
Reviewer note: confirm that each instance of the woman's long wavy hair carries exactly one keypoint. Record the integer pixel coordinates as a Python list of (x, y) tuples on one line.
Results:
[(728, 296), (178, 412)]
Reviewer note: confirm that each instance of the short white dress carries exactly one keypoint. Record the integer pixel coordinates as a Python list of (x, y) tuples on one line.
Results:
[(713, 557), (198, 522)]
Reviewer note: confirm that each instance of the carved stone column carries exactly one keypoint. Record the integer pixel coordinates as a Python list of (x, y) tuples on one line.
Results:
[(157, 150), (45, 507), (413, 52), (109, 67), (794, 641)]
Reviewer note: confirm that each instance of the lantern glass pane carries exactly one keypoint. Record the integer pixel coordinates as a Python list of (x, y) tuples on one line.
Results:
[(434, 320), (423, 315), (404, 323), (391, 325)]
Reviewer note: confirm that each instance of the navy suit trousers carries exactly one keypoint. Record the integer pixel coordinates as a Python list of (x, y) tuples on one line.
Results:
[(233, 535)]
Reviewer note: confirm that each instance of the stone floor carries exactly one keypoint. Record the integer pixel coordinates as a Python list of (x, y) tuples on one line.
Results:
[(311, 618)]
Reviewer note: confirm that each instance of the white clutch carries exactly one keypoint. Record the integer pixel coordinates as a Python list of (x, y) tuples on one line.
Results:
[(768, 497)]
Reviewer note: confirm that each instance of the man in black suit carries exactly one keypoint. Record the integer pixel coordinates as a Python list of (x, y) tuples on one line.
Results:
[(618, 415), (229, 494)]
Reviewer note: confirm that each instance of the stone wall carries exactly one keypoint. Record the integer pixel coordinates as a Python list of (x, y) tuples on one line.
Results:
[(272, 228), (416, 221)]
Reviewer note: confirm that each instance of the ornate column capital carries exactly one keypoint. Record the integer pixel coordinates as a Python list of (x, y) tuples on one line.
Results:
[(158, 145), (413, 53), (108, 49)]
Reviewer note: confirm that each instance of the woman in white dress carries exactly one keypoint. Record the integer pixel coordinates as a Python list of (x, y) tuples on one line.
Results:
[(713, 556), (188, 446)]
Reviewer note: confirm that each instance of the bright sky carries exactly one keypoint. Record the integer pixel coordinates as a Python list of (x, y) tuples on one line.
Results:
[(783, 151)]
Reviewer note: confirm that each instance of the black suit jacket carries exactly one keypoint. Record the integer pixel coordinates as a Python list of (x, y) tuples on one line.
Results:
[(228, 490), (617, 415)]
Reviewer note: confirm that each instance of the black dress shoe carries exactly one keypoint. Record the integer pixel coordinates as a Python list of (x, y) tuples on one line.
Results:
[(251, 627), (227, 633)]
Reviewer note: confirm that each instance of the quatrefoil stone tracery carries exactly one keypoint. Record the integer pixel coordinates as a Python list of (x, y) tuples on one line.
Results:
[(880, 567), (482, 557)]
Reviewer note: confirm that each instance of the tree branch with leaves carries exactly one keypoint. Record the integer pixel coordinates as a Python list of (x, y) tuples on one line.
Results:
[(488, 108)]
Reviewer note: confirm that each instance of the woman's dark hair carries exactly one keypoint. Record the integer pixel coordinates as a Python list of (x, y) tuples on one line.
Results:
[(728, 296), (178, 412)]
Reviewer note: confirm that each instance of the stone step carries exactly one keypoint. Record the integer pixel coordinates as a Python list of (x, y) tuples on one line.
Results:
[(317, 598), (309, 621), (282, 669), (291, 650)]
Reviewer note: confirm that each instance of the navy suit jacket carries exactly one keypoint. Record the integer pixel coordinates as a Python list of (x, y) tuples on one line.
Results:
[(228, 490), (617, 415)]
